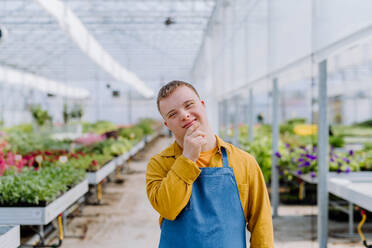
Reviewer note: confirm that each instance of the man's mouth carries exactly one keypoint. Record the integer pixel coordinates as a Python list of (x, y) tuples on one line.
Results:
[(189, 124)]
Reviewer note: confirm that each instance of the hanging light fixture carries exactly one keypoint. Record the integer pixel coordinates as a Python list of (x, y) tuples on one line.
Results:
[(3, 33), (169, 21)]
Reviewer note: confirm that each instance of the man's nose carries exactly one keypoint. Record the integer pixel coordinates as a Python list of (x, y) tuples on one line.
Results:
[(185, 115)]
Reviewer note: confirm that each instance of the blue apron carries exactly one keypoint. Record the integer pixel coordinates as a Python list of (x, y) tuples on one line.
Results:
[(213, 217)]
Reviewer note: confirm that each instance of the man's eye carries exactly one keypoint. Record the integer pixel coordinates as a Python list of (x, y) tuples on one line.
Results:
[(188, 105), (171, 115)]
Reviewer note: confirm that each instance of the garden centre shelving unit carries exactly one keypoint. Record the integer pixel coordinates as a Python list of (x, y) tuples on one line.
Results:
[(9, 236), (96, 178), (42, 215), (354, 188)]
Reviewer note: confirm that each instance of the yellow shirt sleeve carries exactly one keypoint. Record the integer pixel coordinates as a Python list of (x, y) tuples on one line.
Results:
[(169, 185), (259, 211)]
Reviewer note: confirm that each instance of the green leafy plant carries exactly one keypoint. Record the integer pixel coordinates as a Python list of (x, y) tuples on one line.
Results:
[(40, 116), (33, 187)]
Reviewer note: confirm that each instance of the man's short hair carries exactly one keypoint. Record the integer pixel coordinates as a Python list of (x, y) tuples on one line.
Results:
[(170, 87)]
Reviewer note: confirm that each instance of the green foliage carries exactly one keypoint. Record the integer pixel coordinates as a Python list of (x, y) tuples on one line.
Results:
[(368, 146), (24, 128), (23, 143), (288, 126), (34, 187), (133, 133), (76, 112), (336, 141), (352, 131), (99, 127), (91, 162), (367, 123), (260, 148), (295, 121), (146, 126), (40, 116)]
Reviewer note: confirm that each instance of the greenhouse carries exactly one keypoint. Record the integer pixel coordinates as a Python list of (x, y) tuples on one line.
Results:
[(185, 123)]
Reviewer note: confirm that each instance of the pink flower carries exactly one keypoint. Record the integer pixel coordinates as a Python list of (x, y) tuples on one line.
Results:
[(94, 162)]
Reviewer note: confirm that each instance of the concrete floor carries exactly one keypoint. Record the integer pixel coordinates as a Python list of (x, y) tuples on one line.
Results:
[(126, 218)]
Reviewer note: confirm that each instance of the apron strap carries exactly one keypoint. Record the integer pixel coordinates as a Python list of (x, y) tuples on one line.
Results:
[(225, 160)]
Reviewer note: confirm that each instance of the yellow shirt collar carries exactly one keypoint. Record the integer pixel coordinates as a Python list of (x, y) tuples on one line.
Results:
[(174, 150)]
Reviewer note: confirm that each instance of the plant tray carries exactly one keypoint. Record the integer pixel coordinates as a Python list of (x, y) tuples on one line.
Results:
[(151, 137), (140, 145), (9, 236), (97, 176), (42, 215), (122, 158)]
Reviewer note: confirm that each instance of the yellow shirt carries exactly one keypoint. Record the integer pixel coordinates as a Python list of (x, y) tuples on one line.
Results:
[(205, 158), (170, 176)]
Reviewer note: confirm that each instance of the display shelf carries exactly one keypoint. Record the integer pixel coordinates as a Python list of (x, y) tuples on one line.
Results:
[(42, 215), (9, 236), (97, 176), (355, 187)]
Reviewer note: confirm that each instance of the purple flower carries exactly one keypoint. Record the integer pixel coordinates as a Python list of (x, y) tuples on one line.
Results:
[(332, 160), (314, 148), (304, 164), (292, 160), (300, 160), (287, 145), (278, 155), (299, 172), (311, 157), (346, 160), (351, 152), (347, 170), (313, 174), (338, 170)]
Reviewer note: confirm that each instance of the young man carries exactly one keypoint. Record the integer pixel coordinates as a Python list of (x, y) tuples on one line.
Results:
[(205, 190)]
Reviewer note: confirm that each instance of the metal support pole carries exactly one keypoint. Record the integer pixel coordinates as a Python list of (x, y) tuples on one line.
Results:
[(323, 157), (250, 115), (275, 146), (351, 219), (42, 234), (236, 121)]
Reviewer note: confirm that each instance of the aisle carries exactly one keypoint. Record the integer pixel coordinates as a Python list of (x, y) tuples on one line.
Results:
[(126, 218)]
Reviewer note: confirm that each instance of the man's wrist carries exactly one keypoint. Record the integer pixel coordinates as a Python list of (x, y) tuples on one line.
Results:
[(189, 157)]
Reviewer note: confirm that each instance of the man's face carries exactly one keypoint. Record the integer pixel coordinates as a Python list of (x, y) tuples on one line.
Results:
[(182, 109)]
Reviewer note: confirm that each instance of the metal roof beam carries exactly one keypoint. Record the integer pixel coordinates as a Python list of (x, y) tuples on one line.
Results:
[(89, 45)]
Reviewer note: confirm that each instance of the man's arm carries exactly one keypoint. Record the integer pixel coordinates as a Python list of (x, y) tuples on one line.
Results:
[(259, 210), (169, 190)]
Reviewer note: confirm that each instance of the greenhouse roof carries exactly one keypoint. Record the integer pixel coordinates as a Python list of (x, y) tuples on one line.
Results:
[(155, 40)]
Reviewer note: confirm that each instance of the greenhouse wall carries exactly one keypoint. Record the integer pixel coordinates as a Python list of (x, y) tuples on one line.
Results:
[(249, 42)]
